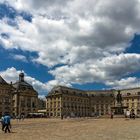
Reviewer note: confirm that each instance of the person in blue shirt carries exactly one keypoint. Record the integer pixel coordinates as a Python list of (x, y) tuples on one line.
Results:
[(7, 123)]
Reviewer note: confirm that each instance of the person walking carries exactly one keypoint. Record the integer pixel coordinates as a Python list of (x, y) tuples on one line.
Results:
[(112, 115), (22, 117), (127, 114), (7, 123), (2, 123)]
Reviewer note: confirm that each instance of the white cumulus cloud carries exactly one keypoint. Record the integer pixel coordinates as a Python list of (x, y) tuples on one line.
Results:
[(12, 75), (89, 38), (19, 57)]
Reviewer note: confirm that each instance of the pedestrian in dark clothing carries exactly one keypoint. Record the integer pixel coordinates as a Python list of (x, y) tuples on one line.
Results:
[(61, 117), (2, 123), (112, 115), (133, 115)]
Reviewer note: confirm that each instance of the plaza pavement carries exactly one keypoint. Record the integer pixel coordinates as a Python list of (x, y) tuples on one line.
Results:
[(74, 129)]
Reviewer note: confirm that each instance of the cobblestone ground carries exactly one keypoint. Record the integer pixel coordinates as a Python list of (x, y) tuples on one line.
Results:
[(74, 129)]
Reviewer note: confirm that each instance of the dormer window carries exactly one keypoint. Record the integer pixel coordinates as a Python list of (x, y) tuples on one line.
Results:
[(23, 88), (128, 94), (56, 91), (67, 91)]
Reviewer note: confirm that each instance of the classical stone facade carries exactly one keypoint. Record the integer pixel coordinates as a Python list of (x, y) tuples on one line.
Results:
[(64, 101), (6, 94), (101, 101), (25, 99), (131, 99)]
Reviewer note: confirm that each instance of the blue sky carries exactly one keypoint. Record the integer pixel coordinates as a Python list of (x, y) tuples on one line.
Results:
[(87, 46)]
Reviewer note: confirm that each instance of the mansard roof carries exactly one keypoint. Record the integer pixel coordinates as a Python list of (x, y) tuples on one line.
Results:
[(131, 88), (93, 93), (2, 81), (22, 85), (101, 92), (67, 90)]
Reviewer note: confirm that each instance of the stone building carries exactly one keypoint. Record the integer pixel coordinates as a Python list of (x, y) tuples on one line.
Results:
[(64, 101), (6, 94), (25, 99), (101, 101), (131, 99), (73, 102)]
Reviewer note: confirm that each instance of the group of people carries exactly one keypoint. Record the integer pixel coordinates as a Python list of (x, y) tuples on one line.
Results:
[(6, 123), (130, 115)]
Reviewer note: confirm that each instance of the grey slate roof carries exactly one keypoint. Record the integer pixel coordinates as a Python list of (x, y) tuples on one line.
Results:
[(73, 91), (2, 81), (21, 85)]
